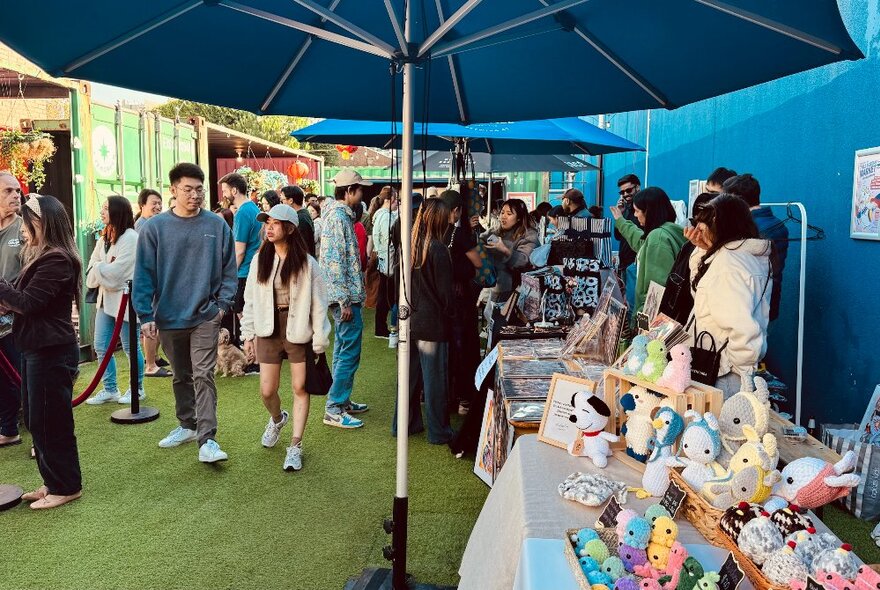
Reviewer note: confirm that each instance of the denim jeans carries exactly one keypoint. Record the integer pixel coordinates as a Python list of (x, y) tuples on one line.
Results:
[(428, 360), (47, 377), (346, 357), (10, 393), (103, 332)]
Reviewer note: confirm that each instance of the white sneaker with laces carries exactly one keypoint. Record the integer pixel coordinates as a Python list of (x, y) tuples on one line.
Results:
[(126, 397), (177, 437), (393, 340), (210, 452), (102, 397), (273, 430), (293, 460)]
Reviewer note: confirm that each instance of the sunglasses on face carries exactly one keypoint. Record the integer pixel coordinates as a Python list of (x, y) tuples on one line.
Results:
[(627, 191)]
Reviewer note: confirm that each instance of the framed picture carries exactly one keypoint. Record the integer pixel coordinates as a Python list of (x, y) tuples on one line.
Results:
[(556, 429), (870, 426), (529, 198), (865, 207), (484, 465)]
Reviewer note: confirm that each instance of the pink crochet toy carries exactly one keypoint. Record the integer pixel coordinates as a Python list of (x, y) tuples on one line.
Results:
[(810, 482), (867, 579), (677, 374), (833, 580)]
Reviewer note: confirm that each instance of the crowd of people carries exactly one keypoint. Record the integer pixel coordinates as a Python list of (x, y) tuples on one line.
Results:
[(277, 275)]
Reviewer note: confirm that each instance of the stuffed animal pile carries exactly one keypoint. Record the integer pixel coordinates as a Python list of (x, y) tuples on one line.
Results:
[(647, 359)]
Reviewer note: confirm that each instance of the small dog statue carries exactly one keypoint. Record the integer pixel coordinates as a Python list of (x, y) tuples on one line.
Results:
[(230, 360), (590, 415)]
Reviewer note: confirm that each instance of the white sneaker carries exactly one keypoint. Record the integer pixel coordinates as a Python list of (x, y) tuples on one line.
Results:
[(210, 452), (126, 397), (102, 397), (393, 340), (177, 437), (293, 460), (273, 430)]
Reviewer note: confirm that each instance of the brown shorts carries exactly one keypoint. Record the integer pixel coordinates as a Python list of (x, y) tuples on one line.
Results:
[(271, 350)]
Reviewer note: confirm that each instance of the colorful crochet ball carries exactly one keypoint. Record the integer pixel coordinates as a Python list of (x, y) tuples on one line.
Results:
[(637, 533), (599, 578), (623, 517), (595, 549), (664, 531), (840, 561), (632, 557), (655, 511), (867, 579), (759, 538), (582, 537), (782, 566), (735, 517), (691, 573), (626, 584), (791, 519), (613, 566), (588, 564), (810, 544)]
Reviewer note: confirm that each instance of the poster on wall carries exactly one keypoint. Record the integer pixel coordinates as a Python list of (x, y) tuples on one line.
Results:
[(865, 207), (529, 198)]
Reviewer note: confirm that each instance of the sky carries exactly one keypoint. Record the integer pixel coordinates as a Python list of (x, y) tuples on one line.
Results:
[(106, 94)]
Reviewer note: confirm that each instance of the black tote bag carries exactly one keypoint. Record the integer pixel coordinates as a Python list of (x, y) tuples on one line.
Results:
[(319, 379), (705, 362)]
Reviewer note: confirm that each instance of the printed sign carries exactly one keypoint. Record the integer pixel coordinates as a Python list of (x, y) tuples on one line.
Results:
[(865, 205), (731, 574), (673, 498), (485, 367), (104, 151), (608, 518), (556, 428)]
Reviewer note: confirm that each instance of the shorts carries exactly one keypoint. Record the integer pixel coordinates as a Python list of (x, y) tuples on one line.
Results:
[(272, 350)]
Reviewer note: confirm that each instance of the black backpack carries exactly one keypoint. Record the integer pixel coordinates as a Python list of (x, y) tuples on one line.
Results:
[(678, 302)]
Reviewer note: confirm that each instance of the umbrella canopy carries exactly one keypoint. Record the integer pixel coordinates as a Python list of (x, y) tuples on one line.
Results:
[(442, 161), (479, 60), (552, 136)]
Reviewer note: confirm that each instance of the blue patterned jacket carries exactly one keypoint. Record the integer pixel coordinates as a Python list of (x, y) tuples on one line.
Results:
[(340, 259)]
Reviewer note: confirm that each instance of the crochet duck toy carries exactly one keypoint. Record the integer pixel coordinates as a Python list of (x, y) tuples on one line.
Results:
[(638, 429), (667, 425)]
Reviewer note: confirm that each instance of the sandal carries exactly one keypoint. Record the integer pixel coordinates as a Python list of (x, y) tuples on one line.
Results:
[(38, 494), (54, 500), (8, 441), (160, 372)]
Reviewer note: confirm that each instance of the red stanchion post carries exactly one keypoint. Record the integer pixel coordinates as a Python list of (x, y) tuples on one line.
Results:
[(135, 414)]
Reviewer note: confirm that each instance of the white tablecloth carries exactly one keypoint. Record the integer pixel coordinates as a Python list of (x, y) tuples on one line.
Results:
[(525, 503)]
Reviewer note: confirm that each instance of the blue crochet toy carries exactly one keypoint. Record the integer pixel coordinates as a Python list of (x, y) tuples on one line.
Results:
[(588, 564), (613, 567), (637, 534), (656, 510), (582, 537), (599, 578), (637, 355)]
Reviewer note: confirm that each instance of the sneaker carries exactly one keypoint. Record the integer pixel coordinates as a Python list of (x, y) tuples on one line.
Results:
[(356, 408), (102, 397), (252, 369), (126, 397), (382, 336), (210, 452), (177, 437), (293, 460), (343, 420), (393, 340), (273, 430)]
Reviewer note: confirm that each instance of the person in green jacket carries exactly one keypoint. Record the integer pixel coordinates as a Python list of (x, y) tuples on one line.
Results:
[(657, 243)]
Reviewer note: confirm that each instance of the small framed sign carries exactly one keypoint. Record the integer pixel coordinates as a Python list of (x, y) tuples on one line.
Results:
[(812, 584), (731, 574), (673, 498), (556, 429), (608, 518)]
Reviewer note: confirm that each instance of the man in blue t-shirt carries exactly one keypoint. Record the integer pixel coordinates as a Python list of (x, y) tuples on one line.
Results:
[(245, 232)]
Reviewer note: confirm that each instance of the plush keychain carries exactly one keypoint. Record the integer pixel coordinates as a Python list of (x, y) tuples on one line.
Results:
[(750, 408), (664, 532), (667, 426), (653, 367), (590, 416), (639, 404), (701, 445), (782, 566), (759, 538), (677, 374), (637, 355), (811, 482)]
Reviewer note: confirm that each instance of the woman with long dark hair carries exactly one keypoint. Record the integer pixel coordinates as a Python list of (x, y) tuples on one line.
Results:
[(511, 246), (42, 300), (731, 272), (430, 322), (110, 268), (269, 199), (656, 243), (285, 310)]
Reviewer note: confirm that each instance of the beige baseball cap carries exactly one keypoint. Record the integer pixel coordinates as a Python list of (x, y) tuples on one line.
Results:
[(348, 177)]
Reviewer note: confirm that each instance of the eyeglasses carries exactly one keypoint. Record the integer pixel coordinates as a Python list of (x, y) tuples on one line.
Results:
[(189, 190), (627, 191)]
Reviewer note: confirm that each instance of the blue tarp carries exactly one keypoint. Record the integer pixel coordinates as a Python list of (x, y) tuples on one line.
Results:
[(442, 161)]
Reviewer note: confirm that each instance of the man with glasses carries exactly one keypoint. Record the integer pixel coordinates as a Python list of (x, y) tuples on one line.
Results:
[(10, 265), (184, 283), (627, 187)]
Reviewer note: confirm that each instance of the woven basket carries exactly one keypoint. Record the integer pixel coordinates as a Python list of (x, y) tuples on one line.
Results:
[(705, 517), (608, 536), (750, 568)]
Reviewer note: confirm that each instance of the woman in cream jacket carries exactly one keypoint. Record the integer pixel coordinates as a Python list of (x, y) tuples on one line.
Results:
[(285, 310), (730, 278), (110, 268)]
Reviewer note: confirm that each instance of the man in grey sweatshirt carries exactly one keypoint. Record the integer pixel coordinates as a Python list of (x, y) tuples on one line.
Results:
[(184, 283)]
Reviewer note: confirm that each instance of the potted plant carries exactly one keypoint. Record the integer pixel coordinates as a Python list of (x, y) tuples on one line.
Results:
[(25, 153)]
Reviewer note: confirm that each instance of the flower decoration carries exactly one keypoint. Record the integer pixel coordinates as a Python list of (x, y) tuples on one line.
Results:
[(25, 153)]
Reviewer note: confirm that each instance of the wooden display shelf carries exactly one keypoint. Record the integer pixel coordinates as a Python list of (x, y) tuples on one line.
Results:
[(789, 450)]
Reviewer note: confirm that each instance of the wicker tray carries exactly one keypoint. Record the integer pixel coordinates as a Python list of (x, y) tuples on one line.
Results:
[(608, 536), (705, 517), (749, 568)]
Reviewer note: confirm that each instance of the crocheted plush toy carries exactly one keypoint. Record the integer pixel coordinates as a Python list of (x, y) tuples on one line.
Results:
[(782, 566), (867, 579), (839, 561), (833, 581), (588, 564), (632, 557), (709, 581), (599, 587), (582, 537), (810, 544), (759, 538), (667, 426), (735, 517), (656, 510), (668, 576), (751, 484), (750, 408), (637, 533), (811, 482), (664, 532), (638, 429), (701, 445), (590, 415), (650, 584), (599, 577), (623, 517), (791, 519), (613, 568), (653, 367), (691, 573), (637, 355), (677, 374), (595, 549), (626, 584)]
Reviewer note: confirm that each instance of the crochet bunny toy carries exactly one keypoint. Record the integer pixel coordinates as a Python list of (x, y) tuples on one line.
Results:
[(759, 537), (667, 425), (782, 566), (701, 445), (677, 374), (750, 408), (839, 561), (867, 579), (590, 415), (637, 355), (653, 367), (811, 482), (638, 429)]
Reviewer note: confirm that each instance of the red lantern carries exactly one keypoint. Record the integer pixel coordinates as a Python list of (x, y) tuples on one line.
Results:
[(297, 171), (346, 150)]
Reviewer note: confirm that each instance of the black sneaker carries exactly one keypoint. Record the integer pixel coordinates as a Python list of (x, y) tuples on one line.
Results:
[(252, 369)]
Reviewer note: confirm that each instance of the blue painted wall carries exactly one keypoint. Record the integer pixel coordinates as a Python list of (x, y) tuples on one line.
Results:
[(798, 136)]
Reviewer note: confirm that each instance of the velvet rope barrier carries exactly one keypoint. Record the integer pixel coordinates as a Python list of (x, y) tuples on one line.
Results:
[(114, 341)]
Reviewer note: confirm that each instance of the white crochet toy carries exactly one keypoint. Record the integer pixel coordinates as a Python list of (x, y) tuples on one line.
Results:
[(750, 408), (810, 544), (752, 472), (677, 374), (590, 416), (668, 425), (701, 445), (839, 561), (759, 538), (810, 482), (638, 429), (783, 565)]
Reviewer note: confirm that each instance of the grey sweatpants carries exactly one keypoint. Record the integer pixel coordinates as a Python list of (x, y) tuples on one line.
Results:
[(192, 353)]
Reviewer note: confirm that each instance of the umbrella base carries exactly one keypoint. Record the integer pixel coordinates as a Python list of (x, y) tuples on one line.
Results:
[(125, 416), (380, 579), (10, 496)]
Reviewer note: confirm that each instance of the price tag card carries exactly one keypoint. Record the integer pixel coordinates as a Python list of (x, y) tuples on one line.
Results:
[(608, 518), (485, 367), (673, 498), (731, 574)]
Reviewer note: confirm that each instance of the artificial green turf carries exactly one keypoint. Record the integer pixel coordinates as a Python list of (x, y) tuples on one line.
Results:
[(154, 518)]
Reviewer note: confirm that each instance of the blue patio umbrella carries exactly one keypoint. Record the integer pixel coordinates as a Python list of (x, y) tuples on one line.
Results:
[(465, 60), (491, 163), (569, 135)]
